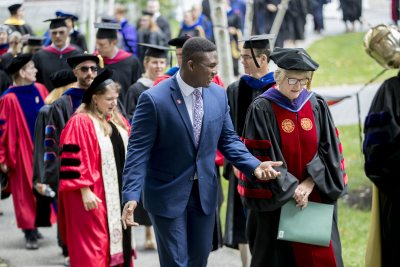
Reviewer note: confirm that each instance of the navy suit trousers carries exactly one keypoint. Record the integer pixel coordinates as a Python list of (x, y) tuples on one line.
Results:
[(186, 240)]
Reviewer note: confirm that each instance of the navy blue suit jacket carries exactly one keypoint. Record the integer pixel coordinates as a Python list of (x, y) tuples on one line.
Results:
[(162, 158)]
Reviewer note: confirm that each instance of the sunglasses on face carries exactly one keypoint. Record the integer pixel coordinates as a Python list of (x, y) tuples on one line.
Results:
[(293, 81), (86, 69)]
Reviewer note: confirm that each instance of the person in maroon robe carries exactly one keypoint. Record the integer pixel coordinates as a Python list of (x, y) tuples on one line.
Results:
[(19, 107), (292, 124), (126, 67), (53, 57), (93, 146)]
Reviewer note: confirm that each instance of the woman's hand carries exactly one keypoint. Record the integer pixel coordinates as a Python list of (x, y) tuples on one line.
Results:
[(89, 199), (302, 192), (3, 168)]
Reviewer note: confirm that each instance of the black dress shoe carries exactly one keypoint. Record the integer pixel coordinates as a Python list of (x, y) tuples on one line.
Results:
[(38, 234), (31, 244)]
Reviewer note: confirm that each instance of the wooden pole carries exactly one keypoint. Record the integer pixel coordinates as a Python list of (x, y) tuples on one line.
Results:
[(222, 41)]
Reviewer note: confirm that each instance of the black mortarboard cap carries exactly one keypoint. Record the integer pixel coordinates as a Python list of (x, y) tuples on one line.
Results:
[(179, 41), (66, 15), (76, 60), (107, 18), (102, 80), (35, 41), (107, 30), (62, 78), (17, 63), (293, 59), (13, 8), (146, 13), (257, 42), (56, 23), (157, 51)]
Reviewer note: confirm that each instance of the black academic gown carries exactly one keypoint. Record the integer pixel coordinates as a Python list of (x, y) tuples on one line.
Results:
[(132, 97), (263, 138), (164, 26), (126, 71), (48, 61), (43, 203), (79, 40), (382, 164), (240, 95), (5, 81), (58, 115)]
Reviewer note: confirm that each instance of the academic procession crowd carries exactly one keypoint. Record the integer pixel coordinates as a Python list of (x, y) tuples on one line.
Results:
[(103, 142)]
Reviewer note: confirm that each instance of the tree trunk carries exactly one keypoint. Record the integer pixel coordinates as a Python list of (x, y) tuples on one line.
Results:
[(221, 36)]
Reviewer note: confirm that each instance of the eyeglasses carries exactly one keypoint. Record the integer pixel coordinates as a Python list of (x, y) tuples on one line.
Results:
[(86, 69), (293, 81)]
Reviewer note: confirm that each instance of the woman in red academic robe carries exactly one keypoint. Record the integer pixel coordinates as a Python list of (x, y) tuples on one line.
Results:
[(93, 146), (292, 124), (19, 107)]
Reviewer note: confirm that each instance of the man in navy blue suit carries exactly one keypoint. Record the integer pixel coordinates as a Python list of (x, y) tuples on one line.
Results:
[(176, 130)]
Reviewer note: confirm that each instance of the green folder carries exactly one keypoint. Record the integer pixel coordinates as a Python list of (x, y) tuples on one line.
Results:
[(312, 225)]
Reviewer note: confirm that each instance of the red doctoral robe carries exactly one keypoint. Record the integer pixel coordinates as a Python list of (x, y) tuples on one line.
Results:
[(19, 107), (85, 232)]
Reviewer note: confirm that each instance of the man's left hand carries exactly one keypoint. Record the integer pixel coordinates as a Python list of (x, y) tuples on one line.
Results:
[(265, 170)]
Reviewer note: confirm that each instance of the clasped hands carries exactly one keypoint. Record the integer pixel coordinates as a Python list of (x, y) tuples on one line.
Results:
[(303, 191)]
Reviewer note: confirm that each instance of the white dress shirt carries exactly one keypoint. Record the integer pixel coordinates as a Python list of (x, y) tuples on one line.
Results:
[(187, 93), (188, 98)]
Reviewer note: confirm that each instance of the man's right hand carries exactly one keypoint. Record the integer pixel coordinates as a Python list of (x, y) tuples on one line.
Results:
[(41, 188), (127, 214)]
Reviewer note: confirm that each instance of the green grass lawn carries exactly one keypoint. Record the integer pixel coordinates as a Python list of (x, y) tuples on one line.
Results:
[(342, 60)]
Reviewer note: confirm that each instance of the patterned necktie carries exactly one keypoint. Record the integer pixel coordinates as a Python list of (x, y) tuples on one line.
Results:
[(197, 115)]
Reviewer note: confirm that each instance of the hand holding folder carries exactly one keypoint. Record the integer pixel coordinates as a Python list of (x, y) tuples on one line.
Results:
[(312, 225)]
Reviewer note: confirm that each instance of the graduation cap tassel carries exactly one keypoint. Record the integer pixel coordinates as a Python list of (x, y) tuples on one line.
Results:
[(101, 61)]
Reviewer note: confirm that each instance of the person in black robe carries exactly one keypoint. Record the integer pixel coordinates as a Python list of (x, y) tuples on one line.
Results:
[(289, 123), (352, 11), (62, 80), (16, 22), (46, 200), (153, 7), (76, 37), (382, 157), (154, 62), (125, 66), (54, 57), (240, 94)]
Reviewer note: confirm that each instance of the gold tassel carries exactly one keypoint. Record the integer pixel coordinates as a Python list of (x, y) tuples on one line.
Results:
[(101, 61)]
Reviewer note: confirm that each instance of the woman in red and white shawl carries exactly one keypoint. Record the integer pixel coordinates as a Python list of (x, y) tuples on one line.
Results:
[(93, 146)]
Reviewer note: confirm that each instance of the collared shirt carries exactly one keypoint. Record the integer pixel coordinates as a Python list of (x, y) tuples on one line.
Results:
[(187, 93), (188, 98)]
